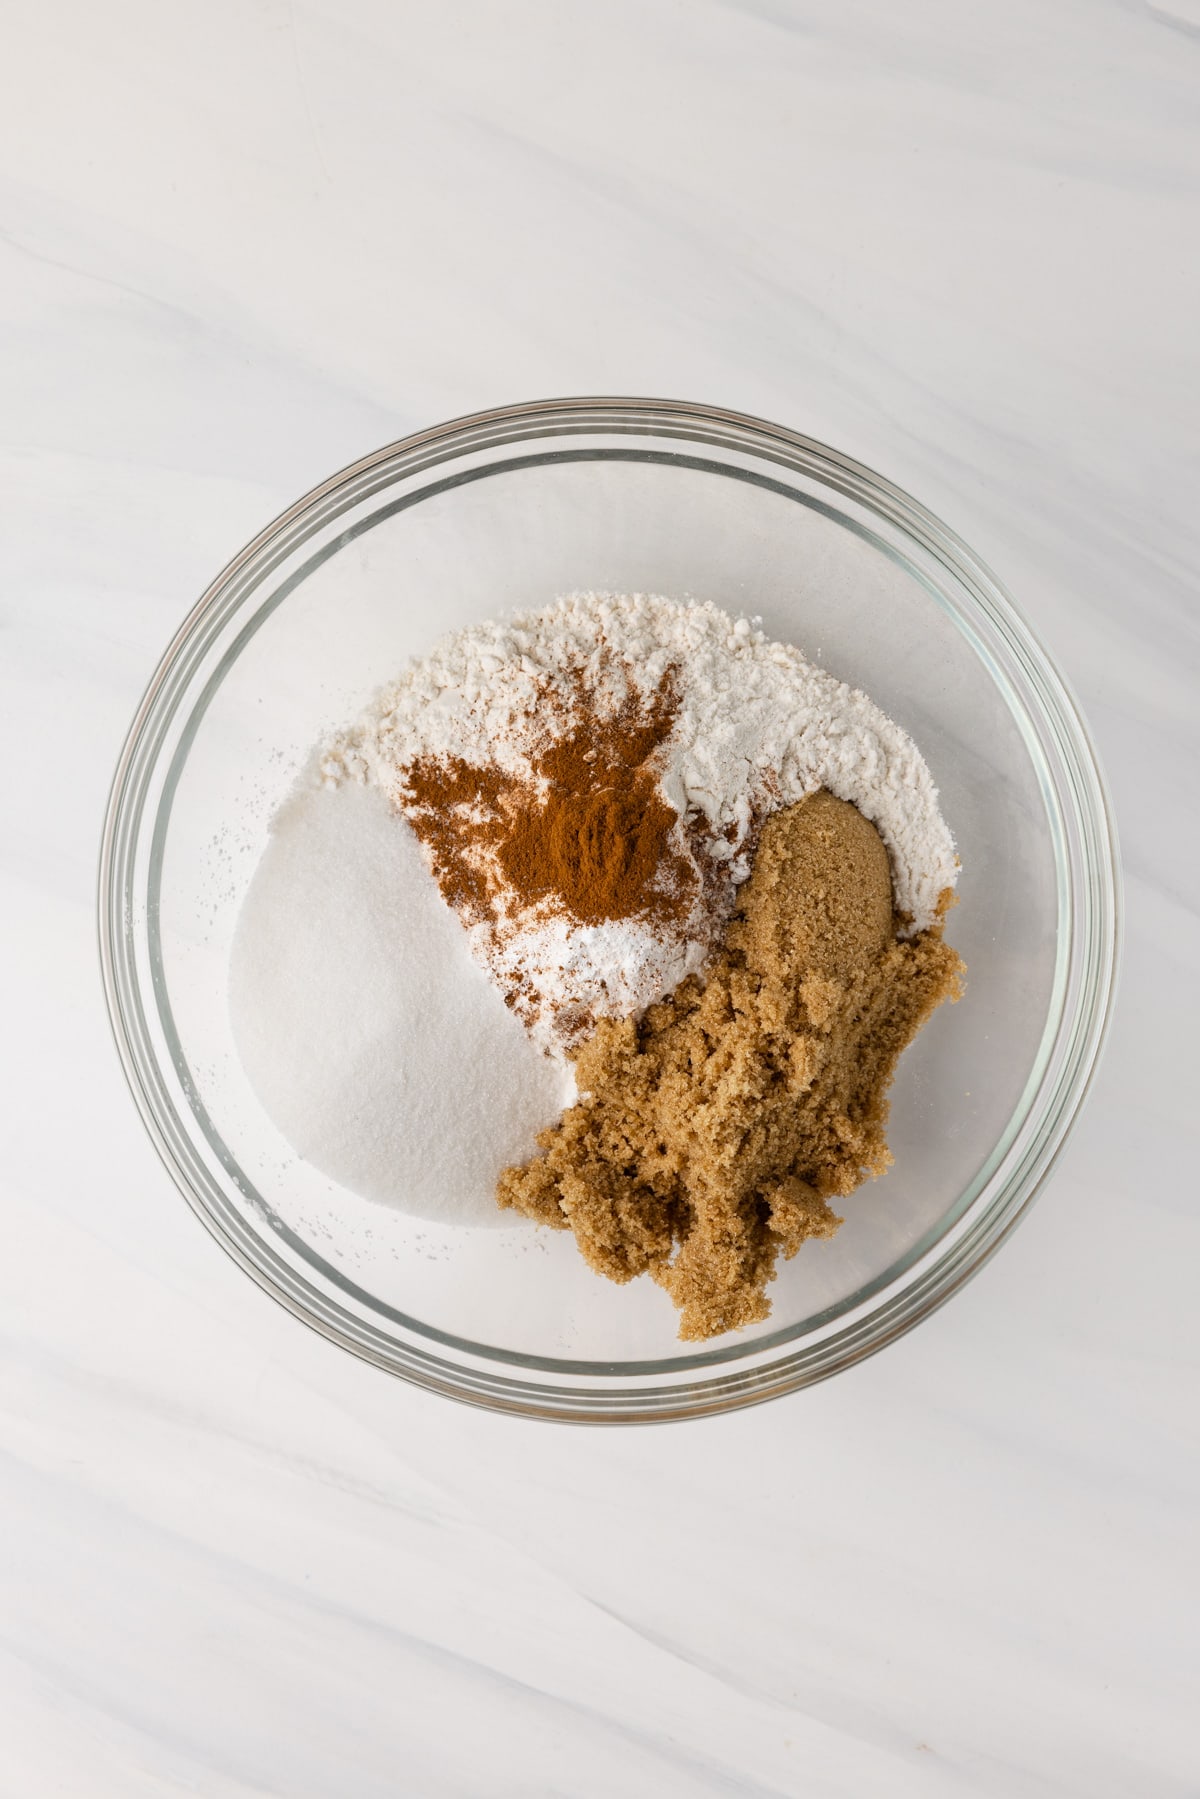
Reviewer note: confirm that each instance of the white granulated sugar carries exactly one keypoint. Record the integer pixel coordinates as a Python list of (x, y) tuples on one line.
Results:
[(757, 728), (372, 1038)]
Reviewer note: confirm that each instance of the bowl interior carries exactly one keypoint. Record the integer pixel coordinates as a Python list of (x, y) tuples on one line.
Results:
[(332, 610)]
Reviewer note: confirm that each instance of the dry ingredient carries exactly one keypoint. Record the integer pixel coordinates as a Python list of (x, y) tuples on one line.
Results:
[(587, 827), (358, 1009), (584, 840), (502, 741), (712, 1134)]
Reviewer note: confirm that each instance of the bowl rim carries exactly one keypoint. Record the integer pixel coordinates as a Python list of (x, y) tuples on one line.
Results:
[(728, 1386)]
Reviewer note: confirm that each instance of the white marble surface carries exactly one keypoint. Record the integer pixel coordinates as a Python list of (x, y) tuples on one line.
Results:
[(241, 244)]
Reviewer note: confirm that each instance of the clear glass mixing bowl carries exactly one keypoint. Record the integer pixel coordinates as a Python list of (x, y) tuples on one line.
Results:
[(512, 508)]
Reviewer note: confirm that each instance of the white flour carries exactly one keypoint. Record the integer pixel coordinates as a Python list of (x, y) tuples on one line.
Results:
[(757, 728)]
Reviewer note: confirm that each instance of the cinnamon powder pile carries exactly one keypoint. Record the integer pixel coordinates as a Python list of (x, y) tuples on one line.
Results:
[(586, 833)]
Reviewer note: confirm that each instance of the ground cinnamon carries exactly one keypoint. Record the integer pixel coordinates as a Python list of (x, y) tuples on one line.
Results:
[(587, 832)]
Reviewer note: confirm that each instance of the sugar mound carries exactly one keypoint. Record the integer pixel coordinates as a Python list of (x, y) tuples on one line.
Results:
[(372, 1037)]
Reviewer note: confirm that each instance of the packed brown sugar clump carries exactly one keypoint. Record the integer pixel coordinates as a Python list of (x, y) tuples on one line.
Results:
[(713, 1133)]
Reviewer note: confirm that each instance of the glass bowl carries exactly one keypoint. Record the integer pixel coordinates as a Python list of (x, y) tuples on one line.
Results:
[(510, 508)]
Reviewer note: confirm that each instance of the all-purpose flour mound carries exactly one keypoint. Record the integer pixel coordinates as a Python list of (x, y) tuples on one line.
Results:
[(757, 727)]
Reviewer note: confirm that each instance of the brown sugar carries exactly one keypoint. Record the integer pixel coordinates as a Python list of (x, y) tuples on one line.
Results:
[(712, 1134)]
